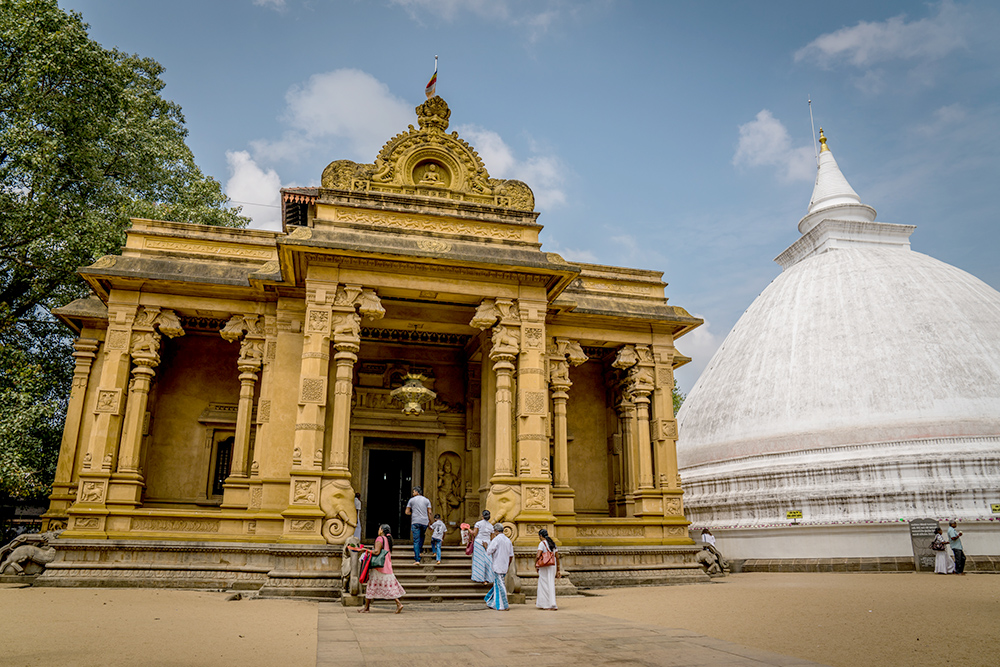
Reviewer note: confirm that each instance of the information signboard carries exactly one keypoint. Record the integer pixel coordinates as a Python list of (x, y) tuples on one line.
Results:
[(921, 536)]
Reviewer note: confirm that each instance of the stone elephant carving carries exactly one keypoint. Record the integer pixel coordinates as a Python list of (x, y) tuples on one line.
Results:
[(27, 552), (336, 499)]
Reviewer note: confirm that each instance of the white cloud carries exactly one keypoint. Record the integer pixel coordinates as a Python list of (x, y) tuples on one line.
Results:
[(544, 173), (700, 345), (534, 16), (256, 190), (867, 43), (943, 119), (764, 141), (277, 5), (346, 109)]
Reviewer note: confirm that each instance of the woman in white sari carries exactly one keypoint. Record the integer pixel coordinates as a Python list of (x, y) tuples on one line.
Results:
[(482, 566), (546, 596), (943, 564)]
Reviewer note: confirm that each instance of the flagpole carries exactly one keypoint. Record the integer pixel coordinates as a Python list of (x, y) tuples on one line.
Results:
[(813, 124)]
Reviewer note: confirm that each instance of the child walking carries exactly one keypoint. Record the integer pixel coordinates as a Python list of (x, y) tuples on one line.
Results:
[(437, 536)]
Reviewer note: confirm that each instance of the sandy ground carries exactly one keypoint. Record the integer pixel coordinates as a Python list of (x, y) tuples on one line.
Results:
[(836, 619), (60, 627)]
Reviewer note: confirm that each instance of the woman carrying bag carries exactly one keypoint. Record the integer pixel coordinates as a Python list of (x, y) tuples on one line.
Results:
[(382, 584), (547, 565)]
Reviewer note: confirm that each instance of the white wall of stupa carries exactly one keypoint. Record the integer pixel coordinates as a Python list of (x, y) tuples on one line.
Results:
[(861, 388)]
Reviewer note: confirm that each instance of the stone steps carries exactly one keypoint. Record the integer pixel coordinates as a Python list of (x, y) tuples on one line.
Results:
[(429, 582)]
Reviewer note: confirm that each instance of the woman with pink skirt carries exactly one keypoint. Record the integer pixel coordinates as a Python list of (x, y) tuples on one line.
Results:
[(382, 584)]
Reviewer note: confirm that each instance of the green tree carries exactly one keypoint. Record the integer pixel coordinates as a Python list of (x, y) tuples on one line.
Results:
[(678, 398), (86, 142)]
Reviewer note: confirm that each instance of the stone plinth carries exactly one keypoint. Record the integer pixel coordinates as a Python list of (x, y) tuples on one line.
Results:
[(275, 570)]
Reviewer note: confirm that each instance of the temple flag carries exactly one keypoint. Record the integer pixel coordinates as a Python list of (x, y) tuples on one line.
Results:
[(432, 84)]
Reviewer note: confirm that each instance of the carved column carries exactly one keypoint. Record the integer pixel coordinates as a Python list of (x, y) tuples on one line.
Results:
[(303, 516), (562, 354), (63, 488), (262, 440), (626, 421), (665, 435), (249, 327), (333, 313), (88, 514), (150, 322), (351, 304), (503, 354)]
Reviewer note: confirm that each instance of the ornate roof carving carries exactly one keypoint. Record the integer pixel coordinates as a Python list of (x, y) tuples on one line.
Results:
[(427, 162)]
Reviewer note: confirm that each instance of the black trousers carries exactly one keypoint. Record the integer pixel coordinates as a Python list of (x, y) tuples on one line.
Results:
[(959, 560)]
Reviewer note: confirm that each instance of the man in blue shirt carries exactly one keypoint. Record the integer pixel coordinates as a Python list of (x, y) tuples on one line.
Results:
[(954, 536)]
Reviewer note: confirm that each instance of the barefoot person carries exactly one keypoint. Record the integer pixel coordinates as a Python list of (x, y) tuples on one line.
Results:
[(547, 572), (382, 584), (482, 532), (501, 553)]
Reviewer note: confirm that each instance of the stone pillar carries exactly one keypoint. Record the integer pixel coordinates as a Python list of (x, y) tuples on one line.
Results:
[(624, 360), (503, 354), (303, 517), (562, 354), (262, 440), (64, 488), (665, 433), (334, 313), (249, 327), (127, 483)]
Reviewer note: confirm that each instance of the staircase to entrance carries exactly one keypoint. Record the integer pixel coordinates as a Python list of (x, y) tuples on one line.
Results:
[(429, 582)]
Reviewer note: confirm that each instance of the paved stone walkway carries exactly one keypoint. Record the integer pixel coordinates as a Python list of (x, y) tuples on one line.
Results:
[(470, 635)]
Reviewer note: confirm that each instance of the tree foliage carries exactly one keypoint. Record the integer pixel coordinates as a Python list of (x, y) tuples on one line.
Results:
[(86, 142), (678, 398)]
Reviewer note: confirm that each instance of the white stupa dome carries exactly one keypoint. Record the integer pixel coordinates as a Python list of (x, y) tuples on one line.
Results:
[(861, 386)]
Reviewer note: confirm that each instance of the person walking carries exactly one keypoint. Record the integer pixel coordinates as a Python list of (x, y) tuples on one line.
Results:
[(942, 561), (482, 532), (501, 553), (955, 537), (419, 510), (438, 530), (357, 512), (382, 584), (547, 566)]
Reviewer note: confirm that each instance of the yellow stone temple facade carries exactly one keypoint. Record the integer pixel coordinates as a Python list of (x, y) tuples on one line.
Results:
[(235, 388)]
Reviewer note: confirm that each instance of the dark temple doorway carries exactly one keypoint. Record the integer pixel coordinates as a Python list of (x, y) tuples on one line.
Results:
[(392, 466)]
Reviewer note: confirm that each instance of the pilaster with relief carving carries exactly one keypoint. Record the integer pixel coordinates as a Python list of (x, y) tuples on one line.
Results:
[(63, 488), (88, 514), (665, 431), (303, 517)]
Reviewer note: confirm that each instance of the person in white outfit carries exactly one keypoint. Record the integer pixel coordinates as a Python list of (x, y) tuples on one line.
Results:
[(943, 564), (546, 596)]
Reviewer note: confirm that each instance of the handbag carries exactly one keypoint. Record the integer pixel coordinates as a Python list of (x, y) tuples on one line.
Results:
[(378, 561), (470, 547), (545, 559), (937, 545)]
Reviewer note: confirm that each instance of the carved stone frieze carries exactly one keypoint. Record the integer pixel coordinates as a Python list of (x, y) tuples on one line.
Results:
[(175, 525)]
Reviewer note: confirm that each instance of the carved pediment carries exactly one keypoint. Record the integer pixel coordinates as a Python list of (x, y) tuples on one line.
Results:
[(428, 162)]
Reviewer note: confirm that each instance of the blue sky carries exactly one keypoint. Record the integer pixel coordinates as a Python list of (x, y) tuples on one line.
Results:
[(660, 135)]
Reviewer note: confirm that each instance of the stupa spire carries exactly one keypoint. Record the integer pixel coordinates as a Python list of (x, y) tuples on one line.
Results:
[(833, 196)]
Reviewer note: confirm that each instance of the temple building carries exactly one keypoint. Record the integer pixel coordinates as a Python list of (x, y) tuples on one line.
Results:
[(235, 388), (860, 391)]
